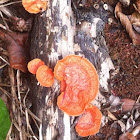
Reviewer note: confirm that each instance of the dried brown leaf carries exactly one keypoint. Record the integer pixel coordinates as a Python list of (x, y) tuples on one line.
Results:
[(128, 105), (135, 21), (135, 18), (127, 24), (118, 8), (17, 49)]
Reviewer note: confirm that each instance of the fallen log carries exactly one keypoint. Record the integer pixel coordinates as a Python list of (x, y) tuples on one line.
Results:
[(56, 33)]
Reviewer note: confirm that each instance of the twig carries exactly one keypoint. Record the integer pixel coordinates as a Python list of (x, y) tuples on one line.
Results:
[(29, 111), (5, 92), (13, 92), (9, 132), (10, 3), (35, 137), (2, 66), (26, 134), (25, 97), (13, 89), (18, 128), (20, 125), (27, 120), (11, 97), (7, 28), (4, 60), (4, 85), (27, 117), (3, 51), (3, 1), (18, 87), (19, 112), (26, 112), (6, 11), (35, 123), (34, 116), (19, 24)]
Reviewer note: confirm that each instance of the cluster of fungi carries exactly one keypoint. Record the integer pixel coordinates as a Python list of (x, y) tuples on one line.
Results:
[(44, 75), (79, 86), (79, 82)]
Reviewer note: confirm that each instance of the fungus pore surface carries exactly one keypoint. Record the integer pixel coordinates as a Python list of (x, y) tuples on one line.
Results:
[(79, 83)]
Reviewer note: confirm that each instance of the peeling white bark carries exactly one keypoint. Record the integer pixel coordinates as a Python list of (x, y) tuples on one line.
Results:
[(40, 132), (100, 99), (67, 135), (67, 42), (104, 75)]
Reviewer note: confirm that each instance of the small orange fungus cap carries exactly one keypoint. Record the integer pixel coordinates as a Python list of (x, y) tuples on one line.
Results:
[(79, 80), (90, 121), (44, 75), (34, 6), (34, 64)]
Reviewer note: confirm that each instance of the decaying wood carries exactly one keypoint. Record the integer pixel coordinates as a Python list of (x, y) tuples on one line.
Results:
[(57, 33)]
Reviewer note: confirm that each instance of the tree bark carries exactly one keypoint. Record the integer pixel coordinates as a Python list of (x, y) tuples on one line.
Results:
[(57, 33)]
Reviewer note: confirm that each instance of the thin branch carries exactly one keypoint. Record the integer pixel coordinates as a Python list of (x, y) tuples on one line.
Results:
[(9, 132), (18, 87), (10, 3), (4, 85), (5, 92), (2, 66), (6, 25), (4, 60)]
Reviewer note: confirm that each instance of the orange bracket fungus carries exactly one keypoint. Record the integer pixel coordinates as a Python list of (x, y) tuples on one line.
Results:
[(34, 6), (44, 75), (90, 121), (34, 64), (79, 84)]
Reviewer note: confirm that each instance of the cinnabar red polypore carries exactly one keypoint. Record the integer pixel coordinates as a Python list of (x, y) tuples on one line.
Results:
[(90, 121), (34, 64), (34, 6), (45, 76), (79, 83)]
